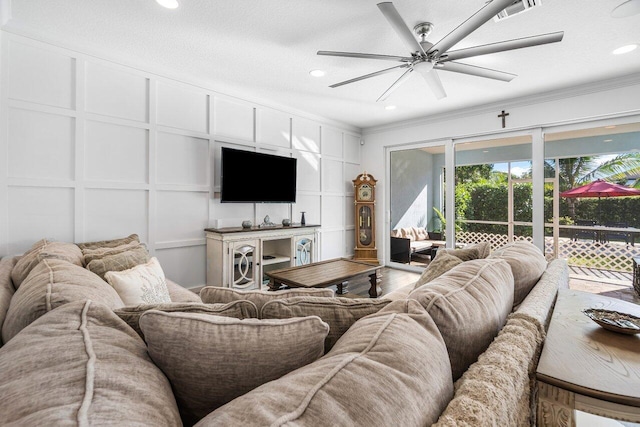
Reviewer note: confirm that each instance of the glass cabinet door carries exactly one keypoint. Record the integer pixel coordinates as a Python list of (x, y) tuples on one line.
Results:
[(243, 258), (303, 250)]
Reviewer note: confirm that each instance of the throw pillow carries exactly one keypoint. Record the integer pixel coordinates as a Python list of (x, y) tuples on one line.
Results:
[(40, 250), (109, 243), (53, 283), (470, 305), (89, 255), (81, 365), (389, 369), (339, 313), (471, 252), (118, 262), (527, 264), (214, 294), (142, 284), (442, 263), (236, 309), (211, 360), (6, 287)]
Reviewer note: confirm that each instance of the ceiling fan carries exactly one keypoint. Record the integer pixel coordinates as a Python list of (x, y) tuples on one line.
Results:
[(427, 58)]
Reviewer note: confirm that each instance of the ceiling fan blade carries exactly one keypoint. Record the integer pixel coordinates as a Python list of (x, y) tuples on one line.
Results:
[(470, 25), (457, 67), (366, 76), (433, 80), (395, 85), (502, 46), (391, 13), (365, 56)]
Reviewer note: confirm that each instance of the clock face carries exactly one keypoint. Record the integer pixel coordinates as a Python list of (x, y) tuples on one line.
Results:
[(365, 192)]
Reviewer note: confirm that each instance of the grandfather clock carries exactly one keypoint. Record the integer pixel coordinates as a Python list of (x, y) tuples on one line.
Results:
[(365, 192)]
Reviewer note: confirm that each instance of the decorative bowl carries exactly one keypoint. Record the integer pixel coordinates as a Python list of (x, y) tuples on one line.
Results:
[(615, 321)]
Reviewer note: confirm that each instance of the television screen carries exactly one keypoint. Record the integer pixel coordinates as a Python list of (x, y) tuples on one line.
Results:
[(249, 177)]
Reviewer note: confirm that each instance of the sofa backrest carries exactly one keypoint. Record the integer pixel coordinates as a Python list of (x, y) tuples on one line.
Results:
[(6, 287)]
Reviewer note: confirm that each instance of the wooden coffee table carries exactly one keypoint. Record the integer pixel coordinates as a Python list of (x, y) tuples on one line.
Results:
[(325, 273), (585, 367)]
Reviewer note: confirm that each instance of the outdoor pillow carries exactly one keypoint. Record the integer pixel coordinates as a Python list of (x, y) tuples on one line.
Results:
[(216, 294), (142, 284), (44, 249), (527, 264), (470, 305), (236, 309), (397, 349), (210, 360), (80, 365), (339, 313)]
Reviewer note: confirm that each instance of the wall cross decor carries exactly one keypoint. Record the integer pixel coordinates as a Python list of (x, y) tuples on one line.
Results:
[(504, 118)]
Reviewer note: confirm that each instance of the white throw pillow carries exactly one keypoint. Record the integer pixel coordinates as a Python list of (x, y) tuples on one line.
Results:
[(142, 284)]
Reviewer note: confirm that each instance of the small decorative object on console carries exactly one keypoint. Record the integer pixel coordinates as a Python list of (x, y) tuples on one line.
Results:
[(614, 320), (267, 222), (302, 220), (246, 224), (286, 222)]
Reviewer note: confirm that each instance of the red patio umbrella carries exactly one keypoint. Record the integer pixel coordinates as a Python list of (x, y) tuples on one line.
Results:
[(599, 189)]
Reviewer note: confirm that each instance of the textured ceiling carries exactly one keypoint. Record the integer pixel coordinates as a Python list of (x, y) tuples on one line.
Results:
[(264, 50)]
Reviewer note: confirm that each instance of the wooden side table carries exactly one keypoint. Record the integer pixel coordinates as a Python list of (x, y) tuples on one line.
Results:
[(585, 367)]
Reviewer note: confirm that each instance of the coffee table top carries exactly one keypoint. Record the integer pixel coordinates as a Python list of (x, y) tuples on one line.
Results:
[(320, 274), (580, 356)]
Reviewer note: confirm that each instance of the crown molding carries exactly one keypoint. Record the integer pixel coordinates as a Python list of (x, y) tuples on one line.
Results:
[(555, 95)]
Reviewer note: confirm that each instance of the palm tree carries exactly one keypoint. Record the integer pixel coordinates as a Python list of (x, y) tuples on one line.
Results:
[(577, 171)]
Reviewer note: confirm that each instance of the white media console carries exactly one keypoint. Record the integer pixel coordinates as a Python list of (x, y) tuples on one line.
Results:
[(238, 257)]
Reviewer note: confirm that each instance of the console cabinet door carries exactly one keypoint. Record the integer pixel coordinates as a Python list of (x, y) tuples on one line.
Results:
[(304, 249), (244, 259)]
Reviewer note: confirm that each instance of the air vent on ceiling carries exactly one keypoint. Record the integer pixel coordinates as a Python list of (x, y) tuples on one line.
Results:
[(517, 7)]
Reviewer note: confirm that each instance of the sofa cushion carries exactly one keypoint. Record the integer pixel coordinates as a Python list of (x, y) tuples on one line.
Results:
[(527, 264), (50, 284), (389, 369), (442, 263), (6, 287), (89, 255), (214, 294), (476, 251), (211, 360), (339, 313), (142, 284), (40, 250), (470, 305), (237, 309), (81, 365), (181, 294), (420, 233), (109, 243), (120, 261)]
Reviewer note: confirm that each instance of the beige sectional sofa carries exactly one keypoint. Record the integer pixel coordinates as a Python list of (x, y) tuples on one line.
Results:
[(458, 350)]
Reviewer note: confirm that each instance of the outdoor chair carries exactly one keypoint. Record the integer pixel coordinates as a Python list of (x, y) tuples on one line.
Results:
[(586, 234), (620, 236)]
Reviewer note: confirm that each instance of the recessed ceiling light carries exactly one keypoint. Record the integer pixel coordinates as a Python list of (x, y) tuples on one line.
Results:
[(485, 151), (610, 127), (390, 107), (625, 49), (169, 4), (608, 140), (317, 73)]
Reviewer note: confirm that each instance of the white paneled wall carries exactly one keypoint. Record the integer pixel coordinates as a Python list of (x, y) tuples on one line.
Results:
[(96, 150)]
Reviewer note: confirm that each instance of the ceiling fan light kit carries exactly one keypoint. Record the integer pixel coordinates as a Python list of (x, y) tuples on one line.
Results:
[(429, 59)]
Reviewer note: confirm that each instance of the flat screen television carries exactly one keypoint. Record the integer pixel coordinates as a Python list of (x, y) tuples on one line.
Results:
[(249, 177)]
